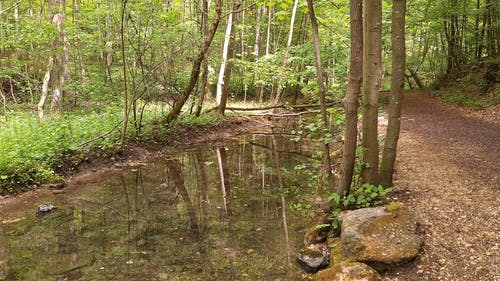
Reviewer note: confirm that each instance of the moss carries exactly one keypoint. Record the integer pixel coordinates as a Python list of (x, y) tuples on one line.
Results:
[(337, 254), (349, 271)]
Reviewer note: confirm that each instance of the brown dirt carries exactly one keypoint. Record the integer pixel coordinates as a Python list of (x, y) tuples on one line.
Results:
[(448, 172)]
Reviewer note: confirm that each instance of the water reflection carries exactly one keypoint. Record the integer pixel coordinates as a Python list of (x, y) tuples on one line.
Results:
[(206, 214)]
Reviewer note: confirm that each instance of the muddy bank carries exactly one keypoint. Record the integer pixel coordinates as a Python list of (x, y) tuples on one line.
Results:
[(98, 166)]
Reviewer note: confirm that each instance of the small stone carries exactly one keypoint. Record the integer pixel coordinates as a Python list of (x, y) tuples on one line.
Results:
[(45, 209), (314, 257)]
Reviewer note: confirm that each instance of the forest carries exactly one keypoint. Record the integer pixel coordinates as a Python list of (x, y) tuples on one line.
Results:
[(73, 71), (91, 81)]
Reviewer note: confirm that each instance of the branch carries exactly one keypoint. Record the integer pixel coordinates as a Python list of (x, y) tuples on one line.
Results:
[(298, 106), (6, 9), (103, 135)]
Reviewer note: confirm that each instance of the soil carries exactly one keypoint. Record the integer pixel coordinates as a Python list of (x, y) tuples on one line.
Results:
[(448, 173)]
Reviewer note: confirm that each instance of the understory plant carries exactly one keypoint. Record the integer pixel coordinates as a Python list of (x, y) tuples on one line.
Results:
[(361, 196)]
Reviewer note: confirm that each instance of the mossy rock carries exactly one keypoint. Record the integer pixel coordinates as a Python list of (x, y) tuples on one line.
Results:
[(349, 271), (380, 236)]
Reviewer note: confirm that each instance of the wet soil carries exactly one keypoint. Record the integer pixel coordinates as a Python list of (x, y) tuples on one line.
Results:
[(448, 172)]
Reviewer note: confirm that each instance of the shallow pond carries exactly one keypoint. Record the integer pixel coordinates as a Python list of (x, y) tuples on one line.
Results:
[(216, 213)]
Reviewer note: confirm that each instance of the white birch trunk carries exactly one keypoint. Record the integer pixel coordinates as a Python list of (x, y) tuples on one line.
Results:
[(268, 36), (45, 90), (220, 81), (287, 50)]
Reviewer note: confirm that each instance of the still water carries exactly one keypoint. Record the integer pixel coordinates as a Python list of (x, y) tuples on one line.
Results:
[(221, 212)]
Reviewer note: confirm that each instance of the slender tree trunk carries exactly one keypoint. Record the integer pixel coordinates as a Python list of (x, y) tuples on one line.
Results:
[(125, 82), (322, 90), (195, 71), (277, 99), (397, 85), (61, 60), (225, 50), (205, 85), (268, 31), (372, 60), (45, 89), (352, 97), (229, 52)]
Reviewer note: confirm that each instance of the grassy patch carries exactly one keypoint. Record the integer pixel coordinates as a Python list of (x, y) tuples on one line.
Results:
[(461, 98), (31, 152)]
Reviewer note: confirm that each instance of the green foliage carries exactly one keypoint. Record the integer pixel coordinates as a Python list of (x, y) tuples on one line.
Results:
[(362, 196), (32, 151)]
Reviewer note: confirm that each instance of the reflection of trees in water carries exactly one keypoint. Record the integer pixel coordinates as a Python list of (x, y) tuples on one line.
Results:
[(175, 174), (212, 215)]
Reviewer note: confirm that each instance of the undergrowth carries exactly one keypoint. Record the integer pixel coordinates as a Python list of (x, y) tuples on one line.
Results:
[(31, 153), (469, 88)]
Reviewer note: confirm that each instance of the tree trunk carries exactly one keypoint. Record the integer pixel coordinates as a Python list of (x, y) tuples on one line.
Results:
[(195, 71), (372, 60), (225, 50), (205, 84), (277, 99), (352, 97), (45, 89), (125, 82), (322, 90), (397, 85), (61, 60), (229, 52)]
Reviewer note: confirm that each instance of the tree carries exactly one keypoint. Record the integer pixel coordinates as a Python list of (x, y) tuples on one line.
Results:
[(321, 86), (226, 67), (277, 99), (352, 97), (195, 71), (372, 63), (396, 93)]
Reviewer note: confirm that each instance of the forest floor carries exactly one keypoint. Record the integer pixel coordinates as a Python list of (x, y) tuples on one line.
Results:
[(448, 173)]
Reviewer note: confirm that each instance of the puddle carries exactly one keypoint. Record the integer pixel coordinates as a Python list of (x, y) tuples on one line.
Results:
[(217, 213)]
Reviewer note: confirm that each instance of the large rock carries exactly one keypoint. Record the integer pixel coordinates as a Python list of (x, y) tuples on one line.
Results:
[(314, 257), (349, 271), (380, 236)]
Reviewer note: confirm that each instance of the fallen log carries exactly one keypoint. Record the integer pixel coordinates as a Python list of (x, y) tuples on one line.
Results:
[(285, 106)]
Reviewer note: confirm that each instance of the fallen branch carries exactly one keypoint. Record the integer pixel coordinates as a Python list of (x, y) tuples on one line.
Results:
[(285, 106), (101, 136), (280, 115)]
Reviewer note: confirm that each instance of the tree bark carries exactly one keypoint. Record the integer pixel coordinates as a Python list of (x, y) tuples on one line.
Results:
[(225, 50), (322, 90), (45, 89), (352, 97), (195, 71), (396, 94), (229, 55), (277, 99), (372, 60), (205, 84), (126, 110), (60, 69)]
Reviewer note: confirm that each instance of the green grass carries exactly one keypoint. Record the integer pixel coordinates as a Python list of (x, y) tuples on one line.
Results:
[(31, 152)]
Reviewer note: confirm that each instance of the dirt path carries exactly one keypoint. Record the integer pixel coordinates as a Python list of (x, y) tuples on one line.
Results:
[(448, 172)]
